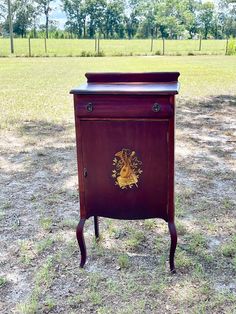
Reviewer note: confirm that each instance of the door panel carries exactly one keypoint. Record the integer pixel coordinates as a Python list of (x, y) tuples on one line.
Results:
[(127, 168)]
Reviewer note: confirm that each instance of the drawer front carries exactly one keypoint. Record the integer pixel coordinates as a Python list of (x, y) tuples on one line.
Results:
[(113, 106)]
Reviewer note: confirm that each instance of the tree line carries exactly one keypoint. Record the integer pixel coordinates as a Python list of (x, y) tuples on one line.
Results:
[(170, 19)]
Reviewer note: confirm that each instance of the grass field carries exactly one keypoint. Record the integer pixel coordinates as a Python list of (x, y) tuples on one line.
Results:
[(127, 271), (75, 47), (39, 89)]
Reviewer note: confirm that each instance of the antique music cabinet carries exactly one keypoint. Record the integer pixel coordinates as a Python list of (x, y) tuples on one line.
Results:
[(125, 125)]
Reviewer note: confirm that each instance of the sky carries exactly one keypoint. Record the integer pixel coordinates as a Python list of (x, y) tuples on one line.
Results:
[(58, 15)]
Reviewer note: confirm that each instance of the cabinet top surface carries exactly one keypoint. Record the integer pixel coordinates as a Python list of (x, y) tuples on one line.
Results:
[(158, 83)]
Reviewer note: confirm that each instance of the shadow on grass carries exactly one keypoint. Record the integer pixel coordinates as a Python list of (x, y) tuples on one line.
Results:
[(207, 129), (43, 128)]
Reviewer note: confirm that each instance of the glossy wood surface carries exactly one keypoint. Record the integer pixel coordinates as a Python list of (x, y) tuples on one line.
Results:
[(116, 111), (124, 106), (132, 77), (101, 140), (162, 83), (137, 89)]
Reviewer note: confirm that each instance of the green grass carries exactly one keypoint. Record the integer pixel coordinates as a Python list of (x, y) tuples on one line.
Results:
[(46, 223), (229, 249), (136, 238), (25, 251), (75, 47), (38, 89), (45, 274), (43, 279), (3, 281), (123, 261), (44, 245)]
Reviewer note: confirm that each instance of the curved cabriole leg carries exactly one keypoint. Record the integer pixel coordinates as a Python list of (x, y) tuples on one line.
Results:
[(96, 227), (173, 236), (81, 242)]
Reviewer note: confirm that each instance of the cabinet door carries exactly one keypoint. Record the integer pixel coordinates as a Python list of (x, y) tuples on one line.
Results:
[(127, 168)]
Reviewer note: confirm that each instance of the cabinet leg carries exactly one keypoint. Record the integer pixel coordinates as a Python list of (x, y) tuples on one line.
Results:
[(173, 236), (96, 227), (81, 242)]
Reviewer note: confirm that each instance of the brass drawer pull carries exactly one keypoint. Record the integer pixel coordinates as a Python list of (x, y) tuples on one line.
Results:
[(89, 107), (156, 107)]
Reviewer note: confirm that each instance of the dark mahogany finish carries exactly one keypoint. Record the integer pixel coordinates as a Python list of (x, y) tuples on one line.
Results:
[(125, 149)]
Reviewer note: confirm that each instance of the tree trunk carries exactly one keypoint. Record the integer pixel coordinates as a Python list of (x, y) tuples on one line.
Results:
[(84, 28), (205, 32), (46, 26)]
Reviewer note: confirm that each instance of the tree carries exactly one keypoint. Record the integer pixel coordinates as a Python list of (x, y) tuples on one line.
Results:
[(206, 18), (189, 16), (95, 10), (46, 7), (227, 17), (147, 20), (6, 16), (76, 16), (3, 10), (23, 12), (114, 16), (168, 18), (132, 17)]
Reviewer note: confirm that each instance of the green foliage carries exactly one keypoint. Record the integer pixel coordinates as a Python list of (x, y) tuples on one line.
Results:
[(45, 274), (45, 7), (179, 211), (46, 223), (231, 47), (76, 14), (123, 261), (135, 240), (28, 307), (183, 261), (50, 303), (196, 242), (181, 229), (44, 244), (3, 11), (95, 297), (123, 19), (229, 249), (25, 251), (24, 12), (150, 224), (206, 18), (3, 281)]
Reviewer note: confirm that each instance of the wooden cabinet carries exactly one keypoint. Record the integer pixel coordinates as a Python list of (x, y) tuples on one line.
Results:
[(125, 148)]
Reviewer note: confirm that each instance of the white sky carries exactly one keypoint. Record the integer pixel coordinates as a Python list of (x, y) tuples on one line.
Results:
[(58, 15)]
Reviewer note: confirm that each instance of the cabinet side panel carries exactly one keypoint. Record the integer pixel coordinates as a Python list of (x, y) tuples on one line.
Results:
[(171, 164), (79, 163)]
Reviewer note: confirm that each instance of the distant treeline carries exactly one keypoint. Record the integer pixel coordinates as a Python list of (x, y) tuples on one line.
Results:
[(172, 19)]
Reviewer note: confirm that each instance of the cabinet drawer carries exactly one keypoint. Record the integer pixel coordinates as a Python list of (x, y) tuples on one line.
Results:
[(157, 107)]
